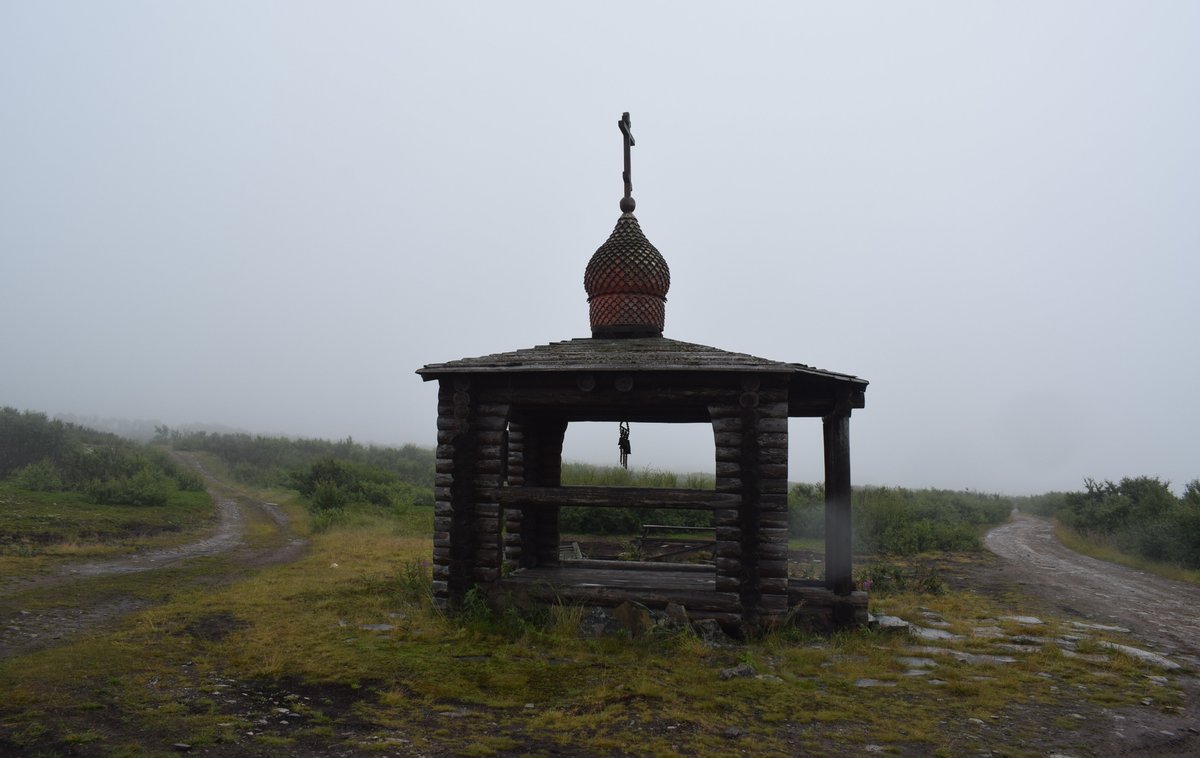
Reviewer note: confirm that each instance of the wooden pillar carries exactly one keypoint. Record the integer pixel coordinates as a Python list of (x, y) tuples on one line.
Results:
[(751, 448), (838, 547), (466, 532), (490, 420), (454, 542), (535, 460), (727, 437), (771, 463), (513, 517)]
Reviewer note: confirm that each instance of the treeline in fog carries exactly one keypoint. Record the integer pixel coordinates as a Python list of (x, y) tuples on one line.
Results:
[(275, 461), (43, 455)]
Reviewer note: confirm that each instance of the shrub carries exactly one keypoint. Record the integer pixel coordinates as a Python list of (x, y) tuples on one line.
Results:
[(806, 510), (416, 582), (147, 486), (1139, 515), (333, 483), (884, 578), (899, 521), (327, 496), (39, 477)]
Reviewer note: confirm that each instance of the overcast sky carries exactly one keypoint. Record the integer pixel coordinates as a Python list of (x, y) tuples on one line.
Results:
[(268, 215)]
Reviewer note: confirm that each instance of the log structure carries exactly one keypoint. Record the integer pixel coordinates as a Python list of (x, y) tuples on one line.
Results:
[(501, 423)]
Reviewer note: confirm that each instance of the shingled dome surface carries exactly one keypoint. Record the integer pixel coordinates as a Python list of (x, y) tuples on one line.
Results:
[(627, 281)]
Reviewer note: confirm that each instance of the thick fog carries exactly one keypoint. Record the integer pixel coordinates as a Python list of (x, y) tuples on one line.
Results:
[(268, 215)]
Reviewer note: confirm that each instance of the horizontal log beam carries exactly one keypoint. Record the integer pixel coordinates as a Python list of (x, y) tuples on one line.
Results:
[(695, 568), (613, 497), (726, 602)]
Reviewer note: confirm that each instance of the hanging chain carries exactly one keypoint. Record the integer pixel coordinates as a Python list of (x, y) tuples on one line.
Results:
[(623, 444)]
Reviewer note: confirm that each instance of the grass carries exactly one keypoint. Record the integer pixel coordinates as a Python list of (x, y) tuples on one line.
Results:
[(38, 529), (1101, 550), (345, 641)]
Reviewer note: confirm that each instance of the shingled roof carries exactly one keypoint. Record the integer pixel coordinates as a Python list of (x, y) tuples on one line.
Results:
[(642, 355)]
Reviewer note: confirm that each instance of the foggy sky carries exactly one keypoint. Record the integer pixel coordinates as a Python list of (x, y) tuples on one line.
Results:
[(268, 215)]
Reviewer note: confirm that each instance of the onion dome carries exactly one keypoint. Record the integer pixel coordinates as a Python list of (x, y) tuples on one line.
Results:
[(627, 281)]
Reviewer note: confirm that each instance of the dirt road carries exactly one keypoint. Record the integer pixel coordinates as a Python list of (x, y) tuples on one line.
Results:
[(28, 622), (1163, 613)]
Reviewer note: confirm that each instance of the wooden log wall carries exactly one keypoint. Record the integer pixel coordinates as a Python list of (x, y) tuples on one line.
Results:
[(543, 521), (466, 530), (750, 432), (490, 423), (513, 518), (453, 538)]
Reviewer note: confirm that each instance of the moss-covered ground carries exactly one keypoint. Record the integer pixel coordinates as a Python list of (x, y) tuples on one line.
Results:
[(340, 652)]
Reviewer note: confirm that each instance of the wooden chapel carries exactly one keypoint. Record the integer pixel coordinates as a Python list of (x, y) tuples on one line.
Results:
[(501, 424)]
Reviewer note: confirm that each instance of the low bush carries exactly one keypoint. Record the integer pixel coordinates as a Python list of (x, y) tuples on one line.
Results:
[(628, 520), (147, 486), (41, 455), (1139, 515), (331, 484), (899, 521), (883, 578), (42, 476)]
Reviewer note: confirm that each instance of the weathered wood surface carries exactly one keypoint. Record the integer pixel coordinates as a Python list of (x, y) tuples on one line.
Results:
[(595, 563), (695, 591), (497, 488), (804, 594), (653, 588), (838, 550), (616, 497), (602, 358), (664, 578)]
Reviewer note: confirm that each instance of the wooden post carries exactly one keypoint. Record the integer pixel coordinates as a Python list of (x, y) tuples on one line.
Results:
[(751, 446), (514, 545), (454, 541), (727, 436), (541, 466), (489, 423), (770, 461), (838, 548)]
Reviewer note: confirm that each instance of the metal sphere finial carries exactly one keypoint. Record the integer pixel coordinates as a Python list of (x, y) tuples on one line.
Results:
[(628, 204)]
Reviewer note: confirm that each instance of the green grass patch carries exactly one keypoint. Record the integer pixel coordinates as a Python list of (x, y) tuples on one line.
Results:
[(346, 642), (1103, 550), (41, 528)]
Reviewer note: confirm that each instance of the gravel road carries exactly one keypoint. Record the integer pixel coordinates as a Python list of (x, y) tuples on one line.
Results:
[(1163, 613)]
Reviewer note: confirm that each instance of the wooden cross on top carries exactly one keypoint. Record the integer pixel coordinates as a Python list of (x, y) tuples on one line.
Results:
[(627, 203)]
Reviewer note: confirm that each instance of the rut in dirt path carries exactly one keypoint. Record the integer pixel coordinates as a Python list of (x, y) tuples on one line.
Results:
[(23, 630), (1161, 611)]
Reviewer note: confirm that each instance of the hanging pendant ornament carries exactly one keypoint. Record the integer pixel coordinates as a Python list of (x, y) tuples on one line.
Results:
[(623, 444)]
